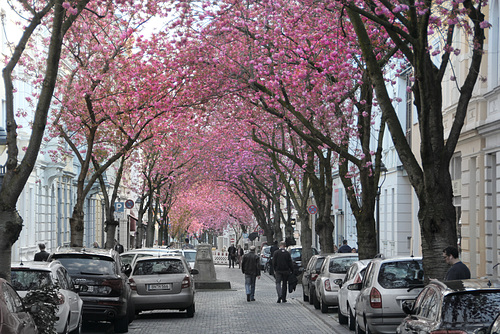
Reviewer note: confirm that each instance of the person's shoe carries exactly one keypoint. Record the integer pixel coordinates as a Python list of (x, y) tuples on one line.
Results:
[(279, 300), (284, 301), (252, 299), (248, 298)]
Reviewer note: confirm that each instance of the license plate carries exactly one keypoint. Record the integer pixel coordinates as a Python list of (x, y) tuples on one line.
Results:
[(152, 287)]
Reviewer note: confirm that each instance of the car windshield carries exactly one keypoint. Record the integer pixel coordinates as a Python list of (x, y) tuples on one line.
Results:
[(296, 253), (190, 256), (401, 274), (88, 265), (340, 265), (158, 266), (24, 280), (480, 307)]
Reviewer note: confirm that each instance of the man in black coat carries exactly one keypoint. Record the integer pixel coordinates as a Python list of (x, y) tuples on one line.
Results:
[(283, 267), (250, 266), (42, 255)]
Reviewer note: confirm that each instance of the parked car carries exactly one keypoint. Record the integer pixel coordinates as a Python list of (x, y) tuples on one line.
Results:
[(26, 276), (296, 254), (334, 267), (265, 255), (460, 307), (14, 317), (309, 277), (103, 284), (386, 285), (190, 255), (164, 282), (347, 298)]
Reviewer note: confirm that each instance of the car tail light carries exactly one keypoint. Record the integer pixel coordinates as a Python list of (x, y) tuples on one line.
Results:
[(328, 287), (445, 331), (186, 282), (313, 277), (357, 279), (375, 298), (60, 297), (133, 284)]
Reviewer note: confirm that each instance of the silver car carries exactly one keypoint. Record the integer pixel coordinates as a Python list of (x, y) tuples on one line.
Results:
[(163, 283), (386, 285), (334, 267), (31, 275), (347, 298)]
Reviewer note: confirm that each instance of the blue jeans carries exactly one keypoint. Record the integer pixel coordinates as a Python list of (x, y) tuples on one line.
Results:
[(250, 285)]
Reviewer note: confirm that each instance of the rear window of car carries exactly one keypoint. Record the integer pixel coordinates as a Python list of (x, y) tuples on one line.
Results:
[(159, 267), (190, 256), (401, 274), (340, 265), (479, 307), (88, 265), (24, 280)]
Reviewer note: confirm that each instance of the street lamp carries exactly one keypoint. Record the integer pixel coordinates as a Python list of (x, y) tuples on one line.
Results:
[(377, 199)]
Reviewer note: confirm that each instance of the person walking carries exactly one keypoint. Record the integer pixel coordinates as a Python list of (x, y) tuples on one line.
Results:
[(458, 269), (345, 248), (231, 255), (282, 266), (250, 266), (273, 249), (42, 255)]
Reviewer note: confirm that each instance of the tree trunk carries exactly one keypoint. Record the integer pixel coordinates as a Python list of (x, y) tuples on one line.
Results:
[(305, 237), (110, 230), (77, 226), (11, 225)]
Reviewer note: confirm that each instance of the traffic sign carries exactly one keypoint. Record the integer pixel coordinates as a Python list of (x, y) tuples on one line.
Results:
[(312, 209), (261, 232), (119, 207), (129, 204)]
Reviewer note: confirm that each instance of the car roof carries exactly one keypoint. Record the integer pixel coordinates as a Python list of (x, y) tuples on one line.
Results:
[(467, 285), (84, 250), (334, 255), (161, 256), (35, 265), (396, 258)]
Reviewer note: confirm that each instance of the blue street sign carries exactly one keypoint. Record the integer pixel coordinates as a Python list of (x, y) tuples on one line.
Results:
[(119, 207)]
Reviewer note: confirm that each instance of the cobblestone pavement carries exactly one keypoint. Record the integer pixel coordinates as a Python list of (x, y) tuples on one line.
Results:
[(227, 311)]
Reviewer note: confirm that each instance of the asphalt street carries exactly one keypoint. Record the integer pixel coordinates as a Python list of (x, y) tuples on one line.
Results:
[(227, 311)]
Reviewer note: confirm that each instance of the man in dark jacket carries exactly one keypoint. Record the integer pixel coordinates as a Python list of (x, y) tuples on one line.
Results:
[(42, 255), (458, 269), (345, 248), (273, 249), (250, 266), (283, 266)]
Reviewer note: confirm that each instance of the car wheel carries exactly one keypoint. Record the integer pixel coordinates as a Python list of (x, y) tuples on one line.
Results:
[(78, 329), (304, 296), (121, 325), (352, 319), (315, 301), (190, 311), (342, 318), (311, 296), (324, 307)]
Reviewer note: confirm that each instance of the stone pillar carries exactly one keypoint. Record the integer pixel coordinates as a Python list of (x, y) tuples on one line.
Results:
[(206, 277)]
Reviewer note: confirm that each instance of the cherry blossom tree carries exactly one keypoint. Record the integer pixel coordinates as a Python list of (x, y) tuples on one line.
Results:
[(56, 17), (414, 29)]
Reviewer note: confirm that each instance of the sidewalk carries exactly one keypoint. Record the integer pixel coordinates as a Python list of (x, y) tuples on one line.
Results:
[(227, 311)]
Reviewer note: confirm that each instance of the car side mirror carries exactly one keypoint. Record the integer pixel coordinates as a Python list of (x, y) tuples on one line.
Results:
[(354, 287), (407, 306), (194, 271), (338, 281)]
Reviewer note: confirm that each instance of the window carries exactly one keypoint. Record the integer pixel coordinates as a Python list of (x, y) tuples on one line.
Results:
[(401, 274), (471, 307), (159, 267), (340, 265)]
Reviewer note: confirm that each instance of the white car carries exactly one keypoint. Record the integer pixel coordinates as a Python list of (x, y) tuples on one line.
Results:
[(334, 267), (30, 275), (347, 298)]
